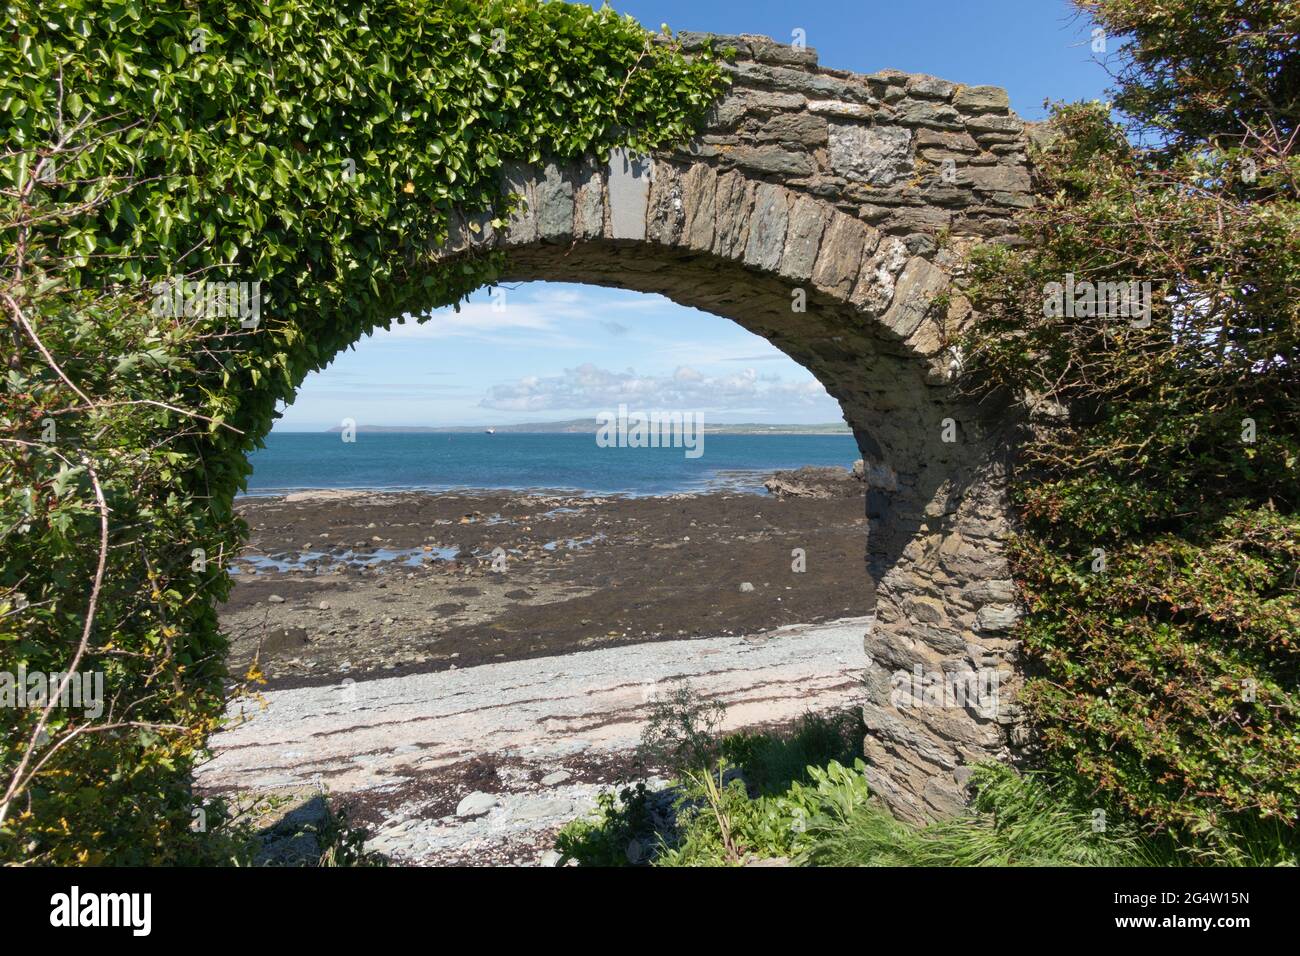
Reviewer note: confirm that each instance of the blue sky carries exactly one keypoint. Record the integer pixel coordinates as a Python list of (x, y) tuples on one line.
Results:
[(559, 351)]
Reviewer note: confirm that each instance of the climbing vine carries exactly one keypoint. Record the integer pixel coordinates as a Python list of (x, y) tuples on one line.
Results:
[(202, 203)]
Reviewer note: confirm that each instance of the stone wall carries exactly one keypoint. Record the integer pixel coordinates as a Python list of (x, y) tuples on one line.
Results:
[(830, 212)]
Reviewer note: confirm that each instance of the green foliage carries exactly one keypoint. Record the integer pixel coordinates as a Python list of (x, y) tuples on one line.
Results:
[(621, 832), (681, 729), (773, 761), (1014, 821), (1208, 69), (146, 142), (1159, 544), (825, 816)]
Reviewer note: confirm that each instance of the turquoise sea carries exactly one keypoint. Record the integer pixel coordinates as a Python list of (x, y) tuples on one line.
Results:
[(513, 460)]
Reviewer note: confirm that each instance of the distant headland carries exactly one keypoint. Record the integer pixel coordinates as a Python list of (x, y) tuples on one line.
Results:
[(585, 425)]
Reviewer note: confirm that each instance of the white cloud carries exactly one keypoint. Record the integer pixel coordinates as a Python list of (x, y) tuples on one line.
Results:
[(555, 316), (591, 387)]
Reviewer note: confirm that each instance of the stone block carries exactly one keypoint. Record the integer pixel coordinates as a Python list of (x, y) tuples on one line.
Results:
[(699, 187), (521, 225), (667, 206), (555, 193), (629, 194), (981, 99), (841, 254), (803, 238), (767, 228), (917, 286), (589, 202), (878, 155), (773, 160)]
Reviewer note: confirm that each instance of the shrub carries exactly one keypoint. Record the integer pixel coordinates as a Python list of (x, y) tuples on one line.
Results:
[(318, 153), (1159, 539), (681, 729)]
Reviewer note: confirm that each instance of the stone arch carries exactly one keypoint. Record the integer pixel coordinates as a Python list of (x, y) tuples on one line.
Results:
[(861, 193)]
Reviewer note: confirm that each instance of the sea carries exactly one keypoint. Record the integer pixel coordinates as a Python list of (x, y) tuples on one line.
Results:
[(566, 462)]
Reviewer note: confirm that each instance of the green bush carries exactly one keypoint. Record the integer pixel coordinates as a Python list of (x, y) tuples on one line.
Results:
[(316, 149), (1159, 541), (831, 819)]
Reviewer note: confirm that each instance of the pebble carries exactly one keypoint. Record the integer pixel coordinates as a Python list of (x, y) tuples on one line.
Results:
[(275, 599), (559, 776), (746, 587), (476, 804)]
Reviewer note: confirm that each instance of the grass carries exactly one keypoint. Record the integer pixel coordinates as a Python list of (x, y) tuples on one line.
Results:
[(802, 794)]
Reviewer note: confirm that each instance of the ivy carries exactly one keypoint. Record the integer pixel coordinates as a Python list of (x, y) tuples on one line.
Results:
[(315, 149)]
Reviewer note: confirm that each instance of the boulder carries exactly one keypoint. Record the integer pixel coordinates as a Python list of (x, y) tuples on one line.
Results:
[(814, 482)]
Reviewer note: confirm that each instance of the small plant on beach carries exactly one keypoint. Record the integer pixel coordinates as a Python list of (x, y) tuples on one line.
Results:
[(621, 832), (681, 732)]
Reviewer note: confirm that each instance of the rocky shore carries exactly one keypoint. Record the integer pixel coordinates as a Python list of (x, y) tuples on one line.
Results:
[(465, 673), (334, 584)]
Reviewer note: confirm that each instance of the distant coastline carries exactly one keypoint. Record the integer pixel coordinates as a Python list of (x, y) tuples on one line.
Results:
[(589, 425)]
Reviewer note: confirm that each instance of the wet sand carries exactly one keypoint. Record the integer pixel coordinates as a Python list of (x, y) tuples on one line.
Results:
[(362, 584)]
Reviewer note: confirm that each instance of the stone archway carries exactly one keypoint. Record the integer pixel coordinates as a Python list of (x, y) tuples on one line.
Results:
[(854, 197)]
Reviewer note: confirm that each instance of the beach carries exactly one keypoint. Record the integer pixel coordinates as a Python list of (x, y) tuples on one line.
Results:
[(464, 673), (337, 583)]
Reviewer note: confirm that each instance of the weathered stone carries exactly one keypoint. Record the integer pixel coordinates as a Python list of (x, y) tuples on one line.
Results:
[(991, 123), (735, 198), (803, 238), (927, 113), (1014, 200), (803, 128), (919, 283), (589, 202), (521, 226), (766, 101), (841, 254), (667, 210), (981, 99), (927, 339), (691, 40), (1006, 179), (956, 141), (772, 160), (993, 591), (727, 112), (629, 193), (875, 288), (811, 85), (554, 193), (878, 155), (925, 610), (997, 617), (767, 227), (744, 102), (765, 51), (700, 186), (841, 108), (930, 88)]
